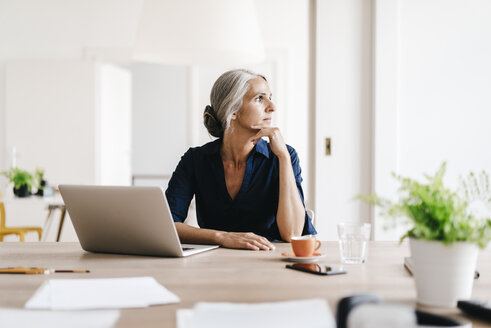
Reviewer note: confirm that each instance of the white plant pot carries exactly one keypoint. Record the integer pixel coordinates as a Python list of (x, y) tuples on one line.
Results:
[(443, 274)]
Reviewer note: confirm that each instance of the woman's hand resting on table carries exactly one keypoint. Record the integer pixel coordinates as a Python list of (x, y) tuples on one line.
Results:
[(244, 240)]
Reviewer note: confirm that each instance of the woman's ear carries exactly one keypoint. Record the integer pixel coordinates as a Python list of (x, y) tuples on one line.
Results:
[(234, 116)]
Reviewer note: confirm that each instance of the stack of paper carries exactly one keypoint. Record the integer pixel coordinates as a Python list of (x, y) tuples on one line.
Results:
[(112, 293), (312, 313), (48, 319)]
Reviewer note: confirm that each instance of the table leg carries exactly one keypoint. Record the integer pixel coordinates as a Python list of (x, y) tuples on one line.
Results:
[(62, 219), (47, 224)]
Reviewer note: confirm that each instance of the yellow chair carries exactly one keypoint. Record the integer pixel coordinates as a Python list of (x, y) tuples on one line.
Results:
[(20, 231)]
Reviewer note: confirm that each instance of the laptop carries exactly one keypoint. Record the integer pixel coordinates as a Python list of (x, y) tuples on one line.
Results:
[(125, 220)]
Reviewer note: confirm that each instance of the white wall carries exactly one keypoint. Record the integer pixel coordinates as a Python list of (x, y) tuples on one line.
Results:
[(61, 29), (343, 112), (386, 149), (159, 118), (71, 117), (114, 159), (445, 88), (50, 114)]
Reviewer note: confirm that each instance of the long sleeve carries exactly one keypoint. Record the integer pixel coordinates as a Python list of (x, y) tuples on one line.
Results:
[(308, 228), (181, 188)]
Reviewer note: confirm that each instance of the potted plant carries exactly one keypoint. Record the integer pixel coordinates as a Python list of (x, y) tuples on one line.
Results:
[(446, 228), (22, 181), (41, 183)]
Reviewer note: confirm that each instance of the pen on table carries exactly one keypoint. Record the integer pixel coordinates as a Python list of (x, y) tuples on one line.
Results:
[(29, 270)]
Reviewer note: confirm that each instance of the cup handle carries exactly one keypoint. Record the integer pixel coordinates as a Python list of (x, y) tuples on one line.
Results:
[(318, 243)]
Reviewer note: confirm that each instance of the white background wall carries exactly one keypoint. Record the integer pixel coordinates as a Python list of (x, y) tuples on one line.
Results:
[(159, 118), (445, 86), (70, 117), (60, 29), (343, 112), (114, 149), (50, 116)]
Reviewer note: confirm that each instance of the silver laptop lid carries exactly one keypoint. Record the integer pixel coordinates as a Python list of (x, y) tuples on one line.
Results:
[(123, 220)]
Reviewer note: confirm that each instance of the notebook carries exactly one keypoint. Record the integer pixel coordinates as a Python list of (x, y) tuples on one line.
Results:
[(125, 220)]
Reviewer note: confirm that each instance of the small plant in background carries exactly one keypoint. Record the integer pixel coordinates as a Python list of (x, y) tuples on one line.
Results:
[(39, 176), (434, 212), (22, 180)]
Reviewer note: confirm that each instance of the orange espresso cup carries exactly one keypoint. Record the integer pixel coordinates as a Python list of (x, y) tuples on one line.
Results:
[(305, 246)]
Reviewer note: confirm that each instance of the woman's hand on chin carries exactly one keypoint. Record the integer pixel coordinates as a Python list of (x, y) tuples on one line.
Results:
[(276, 141), (244, 240)]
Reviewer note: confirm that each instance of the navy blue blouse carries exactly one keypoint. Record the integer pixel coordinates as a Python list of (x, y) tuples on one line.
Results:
[(200, 173)]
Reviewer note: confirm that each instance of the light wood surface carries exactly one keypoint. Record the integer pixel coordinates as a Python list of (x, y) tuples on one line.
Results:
[(227, 276)]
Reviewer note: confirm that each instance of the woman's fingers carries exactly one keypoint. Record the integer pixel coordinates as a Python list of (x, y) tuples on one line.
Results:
[(262, 242), (264, 132), (252, 246), (248, 241), (258, 136), (276, 141), (260, 245), (266, 242)]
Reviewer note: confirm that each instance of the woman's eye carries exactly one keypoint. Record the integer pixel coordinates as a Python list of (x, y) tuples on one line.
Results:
[(260, 98)]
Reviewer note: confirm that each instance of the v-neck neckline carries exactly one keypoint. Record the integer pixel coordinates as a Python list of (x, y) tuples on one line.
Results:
[(245, 179)]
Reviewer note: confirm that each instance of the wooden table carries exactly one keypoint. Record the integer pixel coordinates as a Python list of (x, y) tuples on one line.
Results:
[(227, 276)]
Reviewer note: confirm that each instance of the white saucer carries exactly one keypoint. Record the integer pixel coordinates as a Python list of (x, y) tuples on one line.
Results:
[(290, 256)]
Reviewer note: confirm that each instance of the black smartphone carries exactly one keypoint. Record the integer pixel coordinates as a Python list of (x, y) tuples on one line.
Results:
[(315, 268)]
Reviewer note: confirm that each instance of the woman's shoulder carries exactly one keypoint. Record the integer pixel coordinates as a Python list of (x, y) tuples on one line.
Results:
[(206, 149)]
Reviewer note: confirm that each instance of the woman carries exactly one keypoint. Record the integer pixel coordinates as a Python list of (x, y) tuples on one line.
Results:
[(248, 192)]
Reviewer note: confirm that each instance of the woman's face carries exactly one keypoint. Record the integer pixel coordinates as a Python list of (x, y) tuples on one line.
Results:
[(257, 107)]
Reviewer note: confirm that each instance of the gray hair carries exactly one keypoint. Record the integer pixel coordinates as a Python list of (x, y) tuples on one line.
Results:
[(226, 100)]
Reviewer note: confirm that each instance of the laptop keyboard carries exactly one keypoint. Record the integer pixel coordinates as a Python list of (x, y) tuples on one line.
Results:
[(187, 248)]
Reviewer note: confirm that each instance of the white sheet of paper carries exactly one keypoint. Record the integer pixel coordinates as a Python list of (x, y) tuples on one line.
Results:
[(110, 293), (184, 318), (41, 298), (312, 313), (21, 318)]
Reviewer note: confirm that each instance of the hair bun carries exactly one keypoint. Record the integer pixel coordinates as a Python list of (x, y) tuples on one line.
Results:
[(212, 123)]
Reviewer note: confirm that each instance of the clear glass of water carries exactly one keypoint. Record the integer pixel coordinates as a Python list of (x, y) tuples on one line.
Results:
[(353, 242)]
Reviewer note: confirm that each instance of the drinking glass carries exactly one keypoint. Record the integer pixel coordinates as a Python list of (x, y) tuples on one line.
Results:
[(353, 242)]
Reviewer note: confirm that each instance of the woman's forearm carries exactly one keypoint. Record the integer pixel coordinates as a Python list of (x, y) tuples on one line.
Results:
[(192, 235), (244, 240), (291, 212)]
